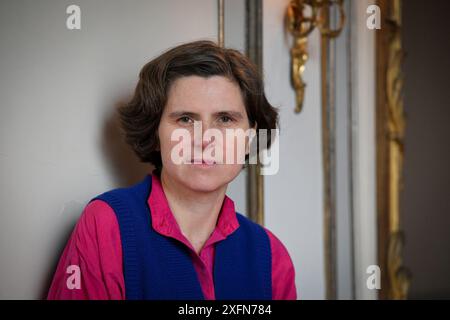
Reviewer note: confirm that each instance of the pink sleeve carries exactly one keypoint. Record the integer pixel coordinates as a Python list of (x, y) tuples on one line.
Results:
[(283, 272), (95, 249)]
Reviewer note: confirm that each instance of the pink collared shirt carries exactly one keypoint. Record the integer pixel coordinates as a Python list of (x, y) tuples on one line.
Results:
[(95, 247)]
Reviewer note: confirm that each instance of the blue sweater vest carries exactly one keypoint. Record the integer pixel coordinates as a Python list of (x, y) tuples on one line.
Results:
[(157, 267)]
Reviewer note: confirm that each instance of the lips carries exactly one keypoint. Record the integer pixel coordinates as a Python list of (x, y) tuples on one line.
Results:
[(203, 161)]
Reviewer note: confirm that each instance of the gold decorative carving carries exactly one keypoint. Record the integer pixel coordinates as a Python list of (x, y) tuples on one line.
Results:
[(399, 276), (390, 151), (302, 16)]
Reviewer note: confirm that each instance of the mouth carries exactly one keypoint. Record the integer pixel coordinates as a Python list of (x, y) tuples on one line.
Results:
[(203, 162)]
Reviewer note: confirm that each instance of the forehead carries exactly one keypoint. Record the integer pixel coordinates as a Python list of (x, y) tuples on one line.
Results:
[(201, 94)]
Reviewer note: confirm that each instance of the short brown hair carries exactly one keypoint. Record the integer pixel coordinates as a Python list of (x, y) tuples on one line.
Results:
[(141, 116)]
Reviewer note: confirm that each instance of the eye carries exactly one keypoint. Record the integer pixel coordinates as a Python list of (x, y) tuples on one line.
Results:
[(185, 119), (226, 119)]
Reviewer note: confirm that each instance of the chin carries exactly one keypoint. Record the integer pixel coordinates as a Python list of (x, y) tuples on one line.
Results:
[(204, 182), (208, 180)]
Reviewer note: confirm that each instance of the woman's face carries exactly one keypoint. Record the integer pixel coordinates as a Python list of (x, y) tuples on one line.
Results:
[(214, 103)]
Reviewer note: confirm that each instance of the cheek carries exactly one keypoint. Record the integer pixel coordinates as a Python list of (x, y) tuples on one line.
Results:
[(165, 142), (176, 151), (235, 149), (230, 172)]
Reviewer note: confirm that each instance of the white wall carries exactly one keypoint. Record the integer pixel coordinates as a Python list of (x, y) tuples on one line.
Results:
[(344, 217), (234, 29), (59, 145), (364, 142), (294, 201)]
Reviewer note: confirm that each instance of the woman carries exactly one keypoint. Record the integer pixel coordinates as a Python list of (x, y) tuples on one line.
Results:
[(176, 234)]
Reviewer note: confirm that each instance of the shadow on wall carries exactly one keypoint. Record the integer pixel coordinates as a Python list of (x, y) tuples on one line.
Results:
[(63, 237), (121, 164)]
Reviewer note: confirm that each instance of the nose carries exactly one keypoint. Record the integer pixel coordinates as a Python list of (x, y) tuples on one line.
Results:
[(205, 143), (205, 140), (201, 141)]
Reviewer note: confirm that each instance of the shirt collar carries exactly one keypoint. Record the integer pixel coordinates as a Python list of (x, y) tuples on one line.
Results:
[(163, 220)]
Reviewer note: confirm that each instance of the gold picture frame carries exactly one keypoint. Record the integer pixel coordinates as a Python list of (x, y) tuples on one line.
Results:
[(390, 128)]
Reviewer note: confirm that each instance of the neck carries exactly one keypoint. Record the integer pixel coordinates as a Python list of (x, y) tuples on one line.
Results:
[(195, 212)]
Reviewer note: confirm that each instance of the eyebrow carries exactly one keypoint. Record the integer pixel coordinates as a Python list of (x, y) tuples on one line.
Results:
[(234, 114)]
